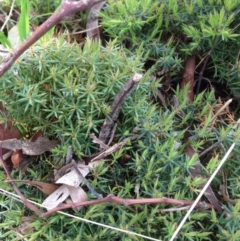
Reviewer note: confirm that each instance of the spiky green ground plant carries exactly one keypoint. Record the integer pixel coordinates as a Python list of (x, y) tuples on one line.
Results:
[(64, 87), (67, 91), (170, 31)]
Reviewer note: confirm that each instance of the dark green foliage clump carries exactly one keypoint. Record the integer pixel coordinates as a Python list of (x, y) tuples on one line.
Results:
[(170, 31), (67, 91)]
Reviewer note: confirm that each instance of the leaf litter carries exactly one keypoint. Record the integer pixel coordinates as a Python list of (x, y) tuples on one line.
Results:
[(70, 181)]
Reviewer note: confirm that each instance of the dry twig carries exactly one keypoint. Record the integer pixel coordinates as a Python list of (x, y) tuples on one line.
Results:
[(24, 200), (113, 199), (122, 95), (202, 192), (68, 7), (113, 148), (92, 26)]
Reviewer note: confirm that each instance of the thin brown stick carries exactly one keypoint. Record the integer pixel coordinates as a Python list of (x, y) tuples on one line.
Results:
[(196, 171), (220, 111), (24, 200), (188, 78), (112, 134), (122, 95), (113, 199), (92, 26), (209, 149), (113, 148), (224, 192), (67, 8)]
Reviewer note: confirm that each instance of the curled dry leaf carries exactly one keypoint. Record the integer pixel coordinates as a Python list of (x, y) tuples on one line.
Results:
[(35, 136), (56, 198), (77, 194), (16, 157), (72, 178), (71, 181), (62, 193)]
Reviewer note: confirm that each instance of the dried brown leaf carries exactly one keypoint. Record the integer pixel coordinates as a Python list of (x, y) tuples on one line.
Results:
[(62, 193), (38, 147), (35, 136), (7, 131), (70, 187), (16, 158), (56, 198), (47, 188), (72, 178)]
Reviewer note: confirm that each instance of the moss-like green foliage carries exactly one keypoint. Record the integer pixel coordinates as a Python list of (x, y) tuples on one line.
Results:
[(156, 167), (172, 30), (68, 91)]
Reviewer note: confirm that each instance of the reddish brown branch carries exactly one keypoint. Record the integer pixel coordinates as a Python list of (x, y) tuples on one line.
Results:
[(113, 199), (67, 8)]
